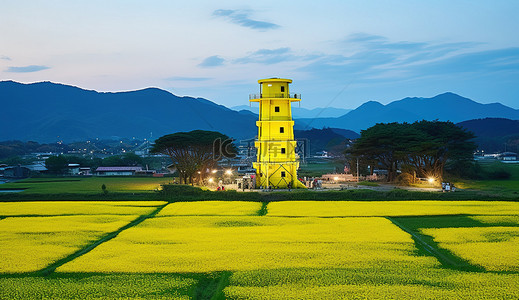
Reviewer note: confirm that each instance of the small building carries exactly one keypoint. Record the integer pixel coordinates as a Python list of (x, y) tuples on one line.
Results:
[(85, 171), (73, 169), (17, 172), (117, 171), (508, 156)]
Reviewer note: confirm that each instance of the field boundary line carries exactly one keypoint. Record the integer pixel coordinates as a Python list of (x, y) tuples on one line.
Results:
[(432, 250), (52, 267)]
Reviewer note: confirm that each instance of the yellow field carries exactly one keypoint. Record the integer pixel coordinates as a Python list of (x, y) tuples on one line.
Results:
[(211, 208), (375, 284), (299, 250), (54, 208), (509, 220), (494, 248), (390, 208), (31, 243), (206, 244), (105, 286)]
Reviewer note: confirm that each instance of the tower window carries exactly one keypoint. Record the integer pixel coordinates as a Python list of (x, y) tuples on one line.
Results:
[(282, 173), (276, 108), (282, 150), (281, 129), (282, 89)]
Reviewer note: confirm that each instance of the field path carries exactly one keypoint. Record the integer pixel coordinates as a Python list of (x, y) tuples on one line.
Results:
[(432, 250), (52, 267)]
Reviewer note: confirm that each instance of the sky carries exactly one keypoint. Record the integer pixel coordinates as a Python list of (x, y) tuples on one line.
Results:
[(338, 53)]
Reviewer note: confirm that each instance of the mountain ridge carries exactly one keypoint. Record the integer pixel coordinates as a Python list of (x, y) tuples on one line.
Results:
[(444, 107), (49, 112)]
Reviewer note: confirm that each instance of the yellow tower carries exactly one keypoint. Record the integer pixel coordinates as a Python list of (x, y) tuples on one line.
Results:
[(277, 161)]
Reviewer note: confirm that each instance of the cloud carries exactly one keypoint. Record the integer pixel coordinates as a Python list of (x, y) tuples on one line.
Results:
[(212, 61), (241, 17), (5, 57), (266, 56), (27, 69), (377, 59), (180, 78)]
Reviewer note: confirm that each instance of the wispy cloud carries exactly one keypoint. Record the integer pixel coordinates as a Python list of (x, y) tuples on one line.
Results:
[(27, 69), (266, 56), (377, 59), (241, 17), (180, 78), (5, 57), (212, 61)]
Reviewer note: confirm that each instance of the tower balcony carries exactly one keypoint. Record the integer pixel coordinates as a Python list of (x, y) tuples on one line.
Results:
[(257, 97)]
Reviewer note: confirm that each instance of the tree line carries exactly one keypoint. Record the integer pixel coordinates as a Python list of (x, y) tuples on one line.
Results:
[(422, 149)]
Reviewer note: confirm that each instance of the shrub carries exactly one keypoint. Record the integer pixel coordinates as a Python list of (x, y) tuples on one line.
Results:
[(405, 179)]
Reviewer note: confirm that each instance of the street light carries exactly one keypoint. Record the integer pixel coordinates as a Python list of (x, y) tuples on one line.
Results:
[(228, 172)]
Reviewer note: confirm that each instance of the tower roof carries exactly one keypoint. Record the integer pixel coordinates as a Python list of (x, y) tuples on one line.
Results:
[(274, 80)]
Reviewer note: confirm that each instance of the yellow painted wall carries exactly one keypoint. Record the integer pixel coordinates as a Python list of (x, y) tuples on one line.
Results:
[(276, 158)]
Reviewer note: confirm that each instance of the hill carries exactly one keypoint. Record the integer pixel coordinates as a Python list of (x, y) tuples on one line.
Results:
[(494, 134), (49, 112), (326, 139), (300, 112), (443, 107)]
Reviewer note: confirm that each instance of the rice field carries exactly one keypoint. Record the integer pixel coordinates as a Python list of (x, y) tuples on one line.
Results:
[(225, 250)]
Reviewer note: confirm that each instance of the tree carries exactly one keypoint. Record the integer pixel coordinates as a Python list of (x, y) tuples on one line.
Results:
[(56, 164), (424, 147), (385, 144), (444, 142), (193, 152)]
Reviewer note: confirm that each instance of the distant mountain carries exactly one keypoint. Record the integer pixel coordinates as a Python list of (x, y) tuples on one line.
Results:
[(48, 112), (325, 139), (299, 112), (444, 107), (494, 134)]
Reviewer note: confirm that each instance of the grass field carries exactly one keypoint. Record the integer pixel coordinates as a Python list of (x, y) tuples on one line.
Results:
[(509, 187), (87, 185), (246, 250)]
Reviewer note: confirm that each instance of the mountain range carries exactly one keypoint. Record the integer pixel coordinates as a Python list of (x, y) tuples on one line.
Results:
[(443, 107), (300, 112), (49, 112)]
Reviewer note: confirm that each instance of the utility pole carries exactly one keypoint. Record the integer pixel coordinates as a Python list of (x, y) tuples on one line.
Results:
[(357, 169)]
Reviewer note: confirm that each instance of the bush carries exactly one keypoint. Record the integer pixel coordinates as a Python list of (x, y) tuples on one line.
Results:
[(103, 188), (499, 175), (405, 179)]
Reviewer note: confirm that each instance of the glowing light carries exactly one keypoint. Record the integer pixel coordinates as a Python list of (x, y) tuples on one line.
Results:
[(214, 171), (211, 180), (228, 172), (335, 178), (431, 180)]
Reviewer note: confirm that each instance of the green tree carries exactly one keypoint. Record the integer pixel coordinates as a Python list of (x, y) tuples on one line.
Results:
[(56, 164), (385, 144), (193, 152), (440, 144), (423, 147)]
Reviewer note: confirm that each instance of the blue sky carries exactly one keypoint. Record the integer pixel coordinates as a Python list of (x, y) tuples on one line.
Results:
[(338, 53)]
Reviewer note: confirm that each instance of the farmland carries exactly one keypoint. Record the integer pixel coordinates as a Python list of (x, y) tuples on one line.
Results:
[(249, 250)]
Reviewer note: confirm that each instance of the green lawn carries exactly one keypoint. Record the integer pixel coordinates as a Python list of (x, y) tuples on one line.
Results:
[(507, 187), (89, 185)]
